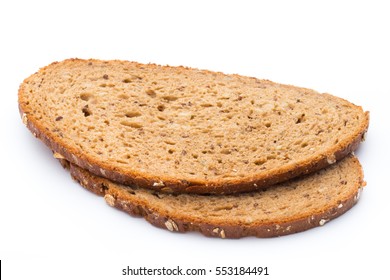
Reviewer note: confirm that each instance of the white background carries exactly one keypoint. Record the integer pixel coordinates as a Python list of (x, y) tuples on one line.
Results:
[(53, 229)]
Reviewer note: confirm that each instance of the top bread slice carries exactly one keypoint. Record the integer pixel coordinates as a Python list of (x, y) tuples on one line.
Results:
[(177, 129)]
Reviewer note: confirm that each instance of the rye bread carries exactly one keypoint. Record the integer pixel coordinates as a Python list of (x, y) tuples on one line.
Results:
[(177, 129), (286, 208)]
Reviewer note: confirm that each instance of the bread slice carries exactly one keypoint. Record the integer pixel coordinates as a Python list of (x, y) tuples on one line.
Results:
[(177, 129), (287, 208)]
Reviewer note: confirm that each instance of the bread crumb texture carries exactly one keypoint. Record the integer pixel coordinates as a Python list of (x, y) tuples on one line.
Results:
[(177, 124)]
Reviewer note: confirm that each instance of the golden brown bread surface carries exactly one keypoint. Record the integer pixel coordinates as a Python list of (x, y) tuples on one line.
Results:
[(289, 207), (178, 129)]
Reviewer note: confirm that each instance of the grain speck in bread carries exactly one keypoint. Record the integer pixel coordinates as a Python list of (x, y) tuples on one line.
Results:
[(287, 208), (177, 129)]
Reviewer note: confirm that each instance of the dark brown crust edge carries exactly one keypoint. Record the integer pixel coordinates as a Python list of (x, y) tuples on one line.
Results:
[(100, 186), (182, 186)]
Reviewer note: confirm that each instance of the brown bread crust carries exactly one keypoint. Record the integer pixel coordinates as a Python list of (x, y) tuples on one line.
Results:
[(177, 185), (117, 196)]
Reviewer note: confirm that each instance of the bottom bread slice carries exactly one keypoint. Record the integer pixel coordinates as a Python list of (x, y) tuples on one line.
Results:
[(283, 209)]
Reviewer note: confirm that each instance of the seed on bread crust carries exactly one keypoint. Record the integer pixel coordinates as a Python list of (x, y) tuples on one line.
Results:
[(58, 156), (331, 159), (110, 200), (171, 225), (323, 222), (158, 184), (75, 159), (24, 119), (364, 135), (220, 232), (357, 196)]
